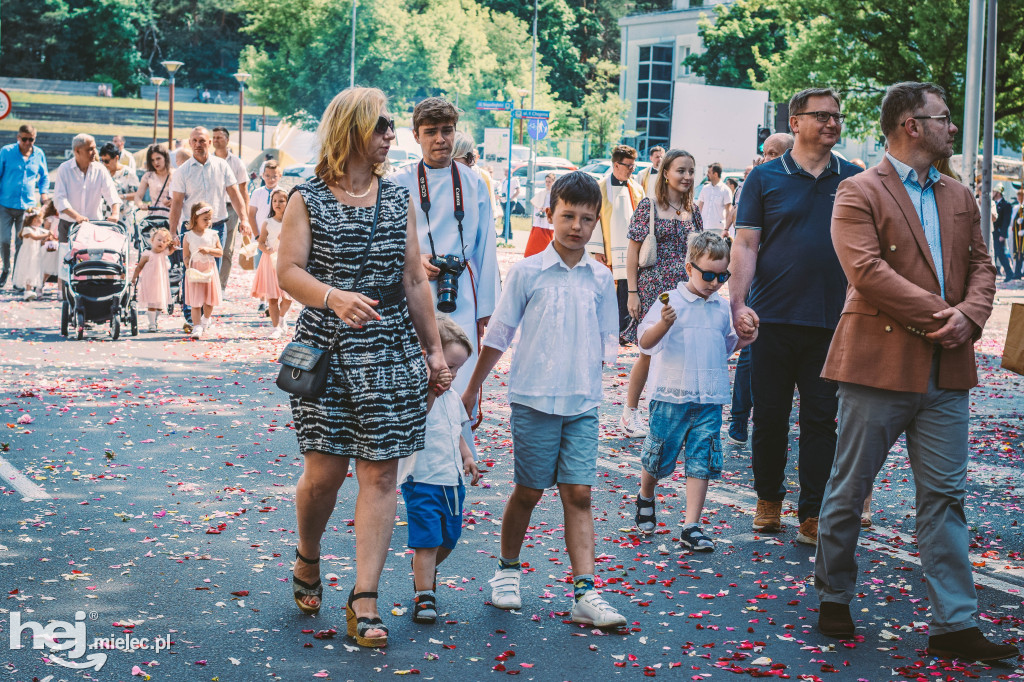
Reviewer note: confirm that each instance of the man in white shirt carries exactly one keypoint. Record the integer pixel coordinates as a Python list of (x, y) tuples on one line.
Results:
[(124, 157), (221, 139), (81, 187), (503, 193), (204, 177), (715, 201)]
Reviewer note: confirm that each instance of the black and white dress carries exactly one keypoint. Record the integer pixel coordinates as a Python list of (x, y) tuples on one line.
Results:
[(374, 407)]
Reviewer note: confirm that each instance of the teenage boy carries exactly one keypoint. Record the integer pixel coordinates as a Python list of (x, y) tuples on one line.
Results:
[(690, 338), (562, 302)]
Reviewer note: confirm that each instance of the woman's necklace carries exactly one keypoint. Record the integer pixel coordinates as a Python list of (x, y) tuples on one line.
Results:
[(678, 209), (358, 196)]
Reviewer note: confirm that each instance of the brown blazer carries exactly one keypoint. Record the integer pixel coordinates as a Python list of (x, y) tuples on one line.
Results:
[(894, 288)]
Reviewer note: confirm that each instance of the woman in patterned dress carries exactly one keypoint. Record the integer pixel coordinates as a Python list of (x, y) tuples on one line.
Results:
[(374, 408), (675, 219)]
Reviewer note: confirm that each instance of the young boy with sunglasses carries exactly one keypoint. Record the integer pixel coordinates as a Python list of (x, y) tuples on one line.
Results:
[(689, 338)]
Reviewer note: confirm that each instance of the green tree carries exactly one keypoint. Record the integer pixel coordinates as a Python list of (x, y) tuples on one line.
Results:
[(740, 34), (603, 109), (204, 34)]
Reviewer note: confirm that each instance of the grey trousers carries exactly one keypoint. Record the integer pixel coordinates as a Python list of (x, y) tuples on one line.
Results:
[(870, 421), (11, 222), (228, 246)]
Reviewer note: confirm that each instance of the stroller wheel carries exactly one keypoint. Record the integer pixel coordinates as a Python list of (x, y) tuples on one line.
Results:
[(65, 318), (133, 320), (115, 328), (170, 308)]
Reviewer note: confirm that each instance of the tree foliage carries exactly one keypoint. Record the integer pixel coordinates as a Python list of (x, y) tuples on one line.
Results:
[(739, 34)]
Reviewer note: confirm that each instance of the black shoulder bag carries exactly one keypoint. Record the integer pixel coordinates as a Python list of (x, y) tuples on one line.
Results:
[(304, 368)]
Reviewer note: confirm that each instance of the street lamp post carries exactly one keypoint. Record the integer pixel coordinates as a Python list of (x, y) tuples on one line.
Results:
[(157, 81), (241, 77), (171, 67)]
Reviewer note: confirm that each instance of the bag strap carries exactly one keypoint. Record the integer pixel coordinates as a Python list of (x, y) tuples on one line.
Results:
[(373, 231), (653, 204), (162, 187)]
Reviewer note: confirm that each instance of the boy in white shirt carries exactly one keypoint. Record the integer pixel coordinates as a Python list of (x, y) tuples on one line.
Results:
[(432, 479), (689, 338), (563, 304)]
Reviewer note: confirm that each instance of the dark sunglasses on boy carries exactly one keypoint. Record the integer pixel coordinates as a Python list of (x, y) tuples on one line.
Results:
[(722, 277), (383, 124)]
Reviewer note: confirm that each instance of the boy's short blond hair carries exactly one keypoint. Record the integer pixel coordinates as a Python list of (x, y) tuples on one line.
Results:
[(706, 244), (451, 333)]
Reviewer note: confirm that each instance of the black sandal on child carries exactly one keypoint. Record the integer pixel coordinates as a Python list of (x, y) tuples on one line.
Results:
[(302, 589), (424, 607), (359, 626)]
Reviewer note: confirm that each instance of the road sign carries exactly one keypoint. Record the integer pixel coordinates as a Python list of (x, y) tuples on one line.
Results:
[(531, 113), (5, 104), (493, 105), (537, 128)]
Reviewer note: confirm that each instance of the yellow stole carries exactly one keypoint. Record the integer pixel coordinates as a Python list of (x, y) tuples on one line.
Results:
[(636, 193)]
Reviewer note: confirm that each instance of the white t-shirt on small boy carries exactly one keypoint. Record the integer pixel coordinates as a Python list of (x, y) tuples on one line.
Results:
[(568, 324), (690, 363), (440, 461)]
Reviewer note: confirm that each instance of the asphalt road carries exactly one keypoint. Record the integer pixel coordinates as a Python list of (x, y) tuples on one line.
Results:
[(148, 484)]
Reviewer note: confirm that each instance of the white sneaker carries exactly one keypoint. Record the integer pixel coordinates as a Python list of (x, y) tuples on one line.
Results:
[(505, 589), (153, 328), (592, 609), (632, 423), (276, 334), (197, 331)]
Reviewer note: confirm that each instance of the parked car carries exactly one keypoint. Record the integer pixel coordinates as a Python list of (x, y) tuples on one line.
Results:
[(601, 167), (542, 163)]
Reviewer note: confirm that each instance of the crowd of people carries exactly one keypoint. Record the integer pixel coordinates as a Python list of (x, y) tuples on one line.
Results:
[(861, 289)]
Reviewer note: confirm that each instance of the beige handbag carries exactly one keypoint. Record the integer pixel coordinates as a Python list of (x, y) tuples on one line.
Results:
[(247, 254), (649, 247), (1013, 349)]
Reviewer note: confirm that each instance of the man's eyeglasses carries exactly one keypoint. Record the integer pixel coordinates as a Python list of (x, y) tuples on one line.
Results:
[(937, 117), (707, 276), (824, 116), (27, 139), (383, 124), (630, 166)]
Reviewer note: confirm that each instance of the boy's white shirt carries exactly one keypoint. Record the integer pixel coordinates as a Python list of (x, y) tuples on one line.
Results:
[(567, 322), (690, 363), (440, 461)]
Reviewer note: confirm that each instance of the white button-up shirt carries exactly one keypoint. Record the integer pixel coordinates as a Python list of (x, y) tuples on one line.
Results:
[(568, 322), (84, 192), (690, 363), (440, 461), (204, 182)]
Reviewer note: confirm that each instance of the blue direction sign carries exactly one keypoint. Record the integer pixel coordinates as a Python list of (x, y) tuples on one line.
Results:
[(531, 113), (493, 105), (537, 128)]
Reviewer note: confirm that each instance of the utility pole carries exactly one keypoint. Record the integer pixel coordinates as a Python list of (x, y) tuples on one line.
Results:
[(352, 66), (972, 91), (990, 118)]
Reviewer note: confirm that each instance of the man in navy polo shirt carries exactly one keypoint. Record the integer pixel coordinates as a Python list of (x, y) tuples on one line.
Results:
[(783, 256), (24, 183)]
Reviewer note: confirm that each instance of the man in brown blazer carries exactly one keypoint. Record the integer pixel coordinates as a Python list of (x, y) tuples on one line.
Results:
[(921, 289)]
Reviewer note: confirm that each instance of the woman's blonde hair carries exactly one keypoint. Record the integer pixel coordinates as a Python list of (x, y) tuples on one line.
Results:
[(346, 129), (661, 184)]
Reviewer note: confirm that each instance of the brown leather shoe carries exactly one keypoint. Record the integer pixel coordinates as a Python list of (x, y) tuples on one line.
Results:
[(834, 620), (768, 517), (969, 645), (808, 531)]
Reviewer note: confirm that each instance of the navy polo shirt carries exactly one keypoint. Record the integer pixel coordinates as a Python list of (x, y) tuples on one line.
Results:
[(798, 279)]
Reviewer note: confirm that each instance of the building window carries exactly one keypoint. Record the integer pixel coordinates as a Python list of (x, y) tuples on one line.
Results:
[(654, 95), (687, 71)]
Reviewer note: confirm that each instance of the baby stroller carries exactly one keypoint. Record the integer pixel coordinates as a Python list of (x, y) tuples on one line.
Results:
[(97, 287), (154, 221)]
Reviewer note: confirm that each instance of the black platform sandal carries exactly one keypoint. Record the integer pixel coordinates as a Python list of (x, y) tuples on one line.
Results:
[(424, 607), (359, 626), (301, 588)]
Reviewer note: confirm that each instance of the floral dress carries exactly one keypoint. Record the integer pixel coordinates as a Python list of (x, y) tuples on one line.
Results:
[(669, 268)]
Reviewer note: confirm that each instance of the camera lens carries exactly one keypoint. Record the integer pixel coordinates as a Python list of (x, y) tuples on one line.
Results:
[(447, 292)]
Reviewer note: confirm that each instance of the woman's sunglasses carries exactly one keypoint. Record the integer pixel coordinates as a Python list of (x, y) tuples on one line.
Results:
[(722, 277), (383, 124)]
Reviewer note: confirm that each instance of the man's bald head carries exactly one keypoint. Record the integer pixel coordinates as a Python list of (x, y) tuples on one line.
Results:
[(199, 141), (776, 145)]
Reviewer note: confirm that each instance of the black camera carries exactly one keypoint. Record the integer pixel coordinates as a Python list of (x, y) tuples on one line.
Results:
[(451, 268)]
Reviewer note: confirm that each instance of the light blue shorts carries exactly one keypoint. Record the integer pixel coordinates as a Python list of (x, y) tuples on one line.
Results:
[(551, 448), (688, 430)]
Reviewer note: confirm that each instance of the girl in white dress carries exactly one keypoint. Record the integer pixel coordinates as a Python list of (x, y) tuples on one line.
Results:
[(265, 285), (202, 248), (28, 268)]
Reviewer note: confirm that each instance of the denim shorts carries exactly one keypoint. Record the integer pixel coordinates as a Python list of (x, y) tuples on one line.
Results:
[(434, 514), (689, 430), (551, 448)]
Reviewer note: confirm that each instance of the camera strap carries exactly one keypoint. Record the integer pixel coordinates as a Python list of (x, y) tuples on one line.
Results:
[(457, 200)]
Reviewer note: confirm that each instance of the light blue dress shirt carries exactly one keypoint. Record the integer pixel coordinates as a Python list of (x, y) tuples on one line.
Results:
[(923, 199), (22, 182)]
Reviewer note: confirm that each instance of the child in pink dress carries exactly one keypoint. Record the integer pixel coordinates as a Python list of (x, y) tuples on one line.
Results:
[(202, 248), (152, 276), (265, 285)]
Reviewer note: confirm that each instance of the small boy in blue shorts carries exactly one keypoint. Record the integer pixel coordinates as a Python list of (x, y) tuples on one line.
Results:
[(432, 479), (689, 338), (562, 302)]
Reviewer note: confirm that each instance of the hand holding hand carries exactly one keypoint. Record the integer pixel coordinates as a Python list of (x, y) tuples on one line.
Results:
[(440, 379), (745, 321), (352, 308), (957, 330)]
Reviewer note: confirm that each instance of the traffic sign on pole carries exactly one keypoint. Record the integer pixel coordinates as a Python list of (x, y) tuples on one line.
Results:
[(531, 113), (5, 104), (493, 105), (537, 128)]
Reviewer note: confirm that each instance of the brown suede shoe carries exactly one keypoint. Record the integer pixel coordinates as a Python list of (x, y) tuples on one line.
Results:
[(834, 620), (969, 645), (768, 517), (808, 531)]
